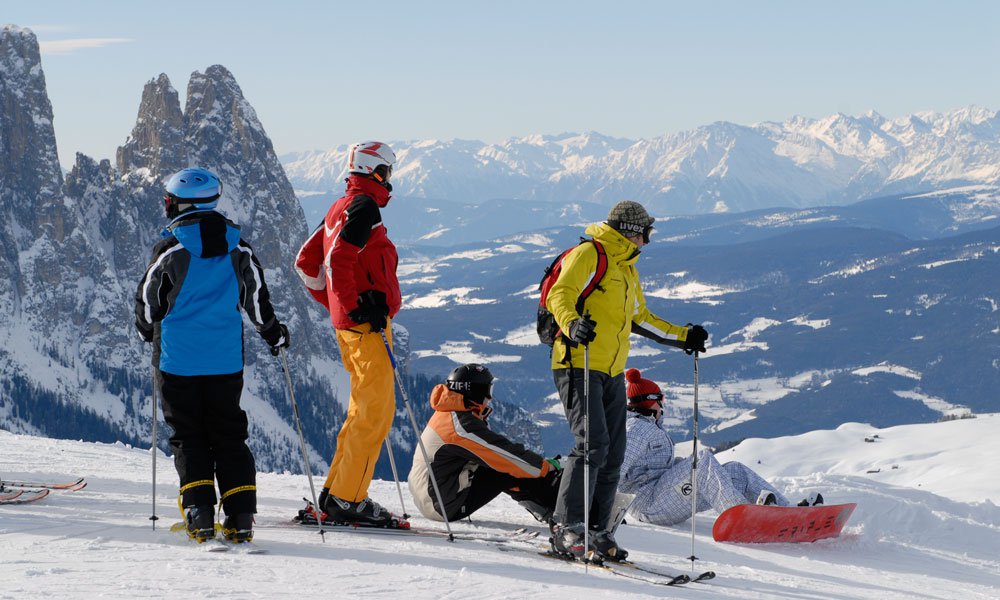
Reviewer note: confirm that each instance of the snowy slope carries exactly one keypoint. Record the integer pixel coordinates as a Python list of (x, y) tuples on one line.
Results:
[(920, 531)]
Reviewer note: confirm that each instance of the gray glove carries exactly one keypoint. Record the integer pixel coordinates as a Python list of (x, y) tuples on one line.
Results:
[(583, 330)]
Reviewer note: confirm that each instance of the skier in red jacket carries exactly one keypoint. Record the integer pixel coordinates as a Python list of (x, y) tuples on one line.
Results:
[(349, 266)]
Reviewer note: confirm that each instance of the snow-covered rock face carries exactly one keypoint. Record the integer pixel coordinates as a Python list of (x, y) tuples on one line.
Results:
[(721, 167), (30, 179)]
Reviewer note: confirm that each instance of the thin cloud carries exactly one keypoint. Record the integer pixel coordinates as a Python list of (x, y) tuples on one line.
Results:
[(62, 47)]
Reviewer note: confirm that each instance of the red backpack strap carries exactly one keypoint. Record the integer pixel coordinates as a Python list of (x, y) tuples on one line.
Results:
[(599, 271)]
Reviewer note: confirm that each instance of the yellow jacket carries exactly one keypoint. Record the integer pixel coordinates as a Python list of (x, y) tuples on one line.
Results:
[(614, 305)]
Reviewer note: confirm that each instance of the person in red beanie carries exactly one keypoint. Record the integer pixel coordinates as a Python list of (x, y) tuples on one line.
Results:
[(661, 481)]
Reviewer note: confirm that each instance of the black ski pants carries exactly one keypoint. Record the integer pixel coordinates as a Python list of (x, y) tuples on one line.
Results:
[(486, 484), (607, 444), (209, 440)]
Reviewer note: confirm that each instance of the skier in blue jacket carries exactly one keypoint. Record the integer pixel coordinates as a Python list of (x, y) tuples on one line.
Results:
[(188, 306)]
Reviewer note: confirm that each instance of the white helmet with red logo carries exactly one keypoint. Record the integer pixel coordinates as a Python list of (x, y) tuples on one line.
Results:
[(374, 159)]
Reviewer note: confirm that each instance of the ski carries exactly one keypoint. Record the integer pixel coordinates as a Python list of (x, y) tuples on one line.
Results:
[(623, 569), (212, 546), (307, 517), (705, 576), (400, 526), (520, 535), (242, 547), (22, 499), (72, 486), (9, 494), (219, 544), (620, 508), (626, 569)]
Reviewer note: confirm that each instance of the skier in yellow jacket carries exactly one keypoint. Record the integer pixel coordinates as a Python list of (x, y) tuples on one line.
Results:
[(613, 309)]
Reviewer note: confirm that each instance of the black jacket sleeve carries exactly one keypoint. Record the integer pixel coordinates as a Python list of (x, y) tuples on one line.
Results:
[(254, 296), (361, 216)]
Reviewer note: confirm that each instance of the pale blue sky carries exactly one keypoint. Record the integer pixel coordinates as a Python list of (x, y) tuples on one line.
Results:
[(327, 73)]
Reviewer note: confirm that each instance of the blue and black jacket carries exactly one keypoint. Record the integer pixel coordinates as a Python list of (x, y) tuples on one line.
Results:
[(188, 303)]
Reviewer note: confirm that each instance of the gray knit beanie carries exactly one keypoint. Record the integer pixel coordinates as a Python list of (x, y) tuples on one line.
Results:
[(629, 218)]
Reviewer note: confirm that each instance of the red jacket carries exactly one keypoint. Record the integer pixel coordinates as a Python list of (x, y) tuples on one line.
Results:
[(350, 253)]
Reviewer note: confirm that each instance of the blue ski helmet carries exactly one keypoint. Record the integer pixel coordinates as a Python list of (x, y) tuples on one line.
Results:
[(196, 186)]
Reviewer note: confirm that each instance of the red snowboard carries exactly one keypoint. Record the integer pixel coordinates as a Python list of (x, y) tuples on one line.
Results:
[(751, 523)]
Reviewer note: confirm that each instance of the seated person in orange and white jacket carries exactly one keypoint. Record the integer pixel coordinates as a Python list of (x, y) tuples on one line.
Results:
[(472, 463)]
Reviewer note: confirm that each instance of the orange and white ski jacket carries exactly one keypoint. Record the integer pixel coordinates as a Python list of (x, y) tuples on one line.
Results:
[(458, 442)]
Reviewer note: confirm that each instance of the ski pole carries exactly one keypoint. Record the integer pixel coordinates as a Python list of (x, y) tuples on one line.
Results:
[(152, 447), (395, 475), (586, 449), (317, 509), (416, 431), (694, 463)]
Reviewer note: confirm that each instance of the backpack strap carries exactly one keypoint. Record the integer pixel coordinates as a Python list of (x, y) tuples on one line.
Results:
[(599, 271), (602, 268)]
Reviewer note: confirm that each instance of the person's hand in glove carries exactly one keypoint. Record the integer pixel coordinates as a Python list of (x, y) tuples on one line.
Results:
[(583, 330), (276, 337), (695, 340), (554, 463), (372, 309)]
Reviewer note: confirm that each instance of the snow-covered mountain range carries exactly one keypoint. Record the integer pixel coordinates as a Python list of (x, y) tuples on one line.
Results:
[(878, 311), (883, 310), (722, 167)]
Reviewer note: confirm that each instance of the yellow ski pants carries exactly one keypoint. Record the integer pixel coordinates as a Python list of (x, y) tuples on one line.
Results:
[(369, 412)]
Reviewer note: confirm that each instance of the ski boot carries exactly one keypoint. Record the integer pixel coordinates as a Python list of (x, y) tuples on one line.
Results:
[(238, 528), (567, 541), (201, 523), (814, 499), (364, 512), (605, 546), (767, 498)]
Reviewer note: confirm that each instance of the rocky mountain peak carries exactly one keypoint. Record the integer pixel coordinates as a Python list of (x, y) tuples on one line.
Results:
[(224, 133), (157, 140), (30, 178)]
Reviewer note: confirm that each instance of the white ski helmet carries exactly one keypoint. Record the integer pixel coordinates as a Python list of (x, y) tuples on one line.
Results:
[(367, 157)]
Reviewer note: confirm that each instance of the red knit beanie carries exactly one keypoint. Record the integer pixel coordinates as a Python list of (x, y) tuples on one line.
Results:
[(642, 393)]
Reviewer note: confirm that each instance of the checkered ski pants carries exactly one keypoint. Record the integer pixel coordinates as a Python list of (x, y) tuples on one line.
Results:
[(666, 500)]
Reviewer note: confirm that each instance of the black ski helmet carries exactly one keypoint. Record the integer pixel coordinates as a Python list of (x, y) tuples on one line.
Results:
[(473, 381)]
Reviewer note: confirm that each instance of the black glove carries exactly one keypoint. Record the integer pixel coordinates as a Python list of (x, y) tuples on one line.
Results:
[(276, 337), (696, 338), (582, 330), (372, 309)]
